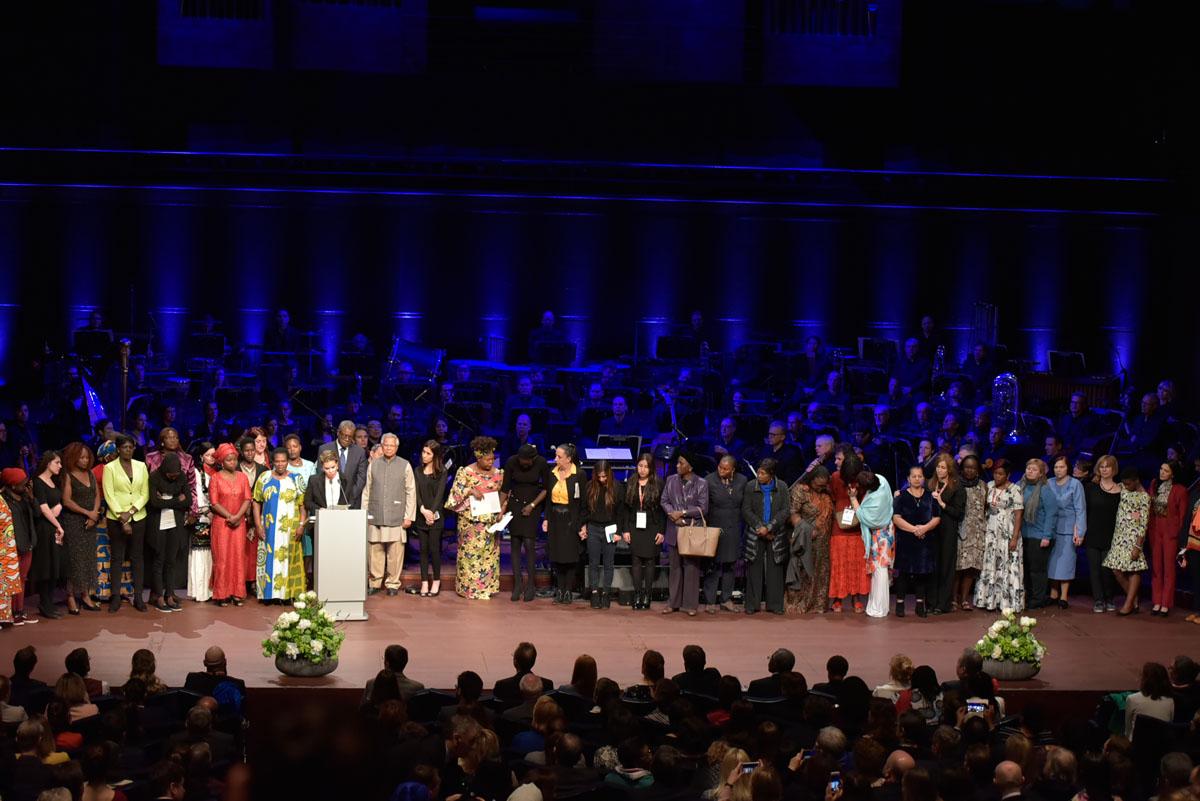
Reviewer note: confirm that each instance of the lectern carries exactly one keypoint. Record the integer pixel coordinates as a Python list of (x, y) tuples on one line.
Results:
[(340, 556)]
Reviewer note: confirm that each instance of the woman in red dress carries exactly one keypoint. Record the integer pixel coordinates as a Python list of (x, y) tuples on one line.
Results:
[(229, 500), (847, 557)]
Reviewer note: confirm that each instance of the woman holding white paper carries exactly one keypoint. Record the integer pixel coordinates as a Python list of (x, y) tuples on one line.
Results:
[(478, 562), (602, 513)]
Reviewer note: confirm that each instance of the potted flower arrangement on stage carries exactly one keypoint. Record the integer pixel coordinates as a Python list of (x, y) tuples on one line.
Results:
[(1010, 651), (305, 640)]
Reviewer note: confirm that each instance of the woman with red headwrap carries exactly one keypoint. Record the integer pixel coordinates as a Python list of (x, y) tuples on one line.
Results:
[(229, 502)]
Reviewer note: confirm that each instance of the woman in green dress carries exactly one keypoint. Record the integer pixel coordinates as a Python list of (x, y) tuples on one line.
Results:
[(478, 560), (279, 515)]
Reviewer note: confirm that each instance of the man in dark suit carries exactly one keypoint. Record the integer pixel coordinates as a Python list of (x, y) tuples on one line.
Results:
[(23, 686), (531, 690), (352, 462), (395, 659), (468, 688), (696, 678), (1183, 672), (780, 662), (836, 669), (214, 673), (198, 729), (524, 658)]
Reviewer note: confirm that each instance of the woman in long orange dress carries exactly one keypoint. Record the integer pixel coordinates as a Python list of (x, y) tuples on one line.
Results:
[(848, 575), (229, 501)]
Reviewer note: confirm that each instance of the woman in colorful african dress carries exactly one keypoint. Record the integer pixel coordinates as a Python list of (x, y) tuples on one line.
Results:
[(478, 560), (10, 566), (812, 502), (280, 515)]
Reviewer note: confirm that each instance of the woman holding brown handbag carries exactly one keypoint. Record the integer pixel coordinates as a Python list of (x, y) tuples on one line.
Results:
[(685, 500)]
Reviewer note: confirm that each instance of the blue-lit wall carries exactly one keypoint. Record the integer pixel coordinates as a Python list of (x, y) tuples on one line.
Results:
[(473, 275)]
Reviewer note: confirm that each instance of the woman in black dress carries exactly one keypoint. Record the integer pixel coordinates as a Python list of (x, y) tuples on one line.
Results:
[(563, 516), (47, 568), (644, 527), (726, 487), (916, 516), (430, 478), (525, 489), (81, 513), (1102, 495), (947, 491)]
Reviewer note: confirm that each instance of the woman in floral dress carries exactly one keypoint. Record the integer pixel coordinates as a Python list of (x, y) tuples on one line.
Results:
[(280, 515), (1001, 580), (10, 567), (812, 502), (972, 532), (478, 561), (1126, 558)]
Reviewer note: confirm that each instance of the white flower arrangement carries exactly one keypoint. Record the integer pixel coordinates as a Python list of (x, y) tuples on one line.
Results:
[(309, 632), (1011, 639)]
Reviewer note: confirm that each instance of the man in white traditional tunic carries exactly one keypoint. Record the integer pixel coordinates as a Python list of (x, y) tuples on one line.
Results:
[(390, 498)]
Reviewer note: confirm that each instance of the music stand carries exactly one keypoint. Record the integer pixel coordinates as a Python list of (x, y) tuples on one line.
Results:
[(1067, 363), (633, 442)]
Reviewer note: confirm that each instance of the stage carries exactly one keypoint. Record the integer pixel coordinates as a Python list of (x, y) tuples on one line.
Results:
[(448, 634)]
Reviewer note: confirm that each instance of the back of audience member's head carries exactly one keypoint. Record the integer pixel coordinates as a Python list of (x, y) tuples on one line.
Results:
[(584, 675), (979, 685), (975, 729), (970, 663), (530, 687), (395, 658), (54, 794), (392, 715), (832, 741), (694, 659), (729, 689), (24, 661), (567, 751), (765, 784), (621, 725), (545, 710), (912, 728), (869, 758), (653, 666), (469, 685), (668, 767), (900, 670), (164, 776), (924, 680), (58, 716), (1061, 767), (525, 657), (78, 662), (781, 661), (31, 734), (1154, 684), (946, 742), (384, 688), (954, 784), (1123, 774), (633, 753), (978, 760), (1184, 670), (856, 787), (818, 711), (691, 734), (666, 692), (142, 664), (918, 785), (1019, 750), (1174, 771), (793, 686), (768, 741), (855, 701), (881, 719), (1008, 777), (607, 693), (199, 722), (836, 667), (898, 763), (71, 690)]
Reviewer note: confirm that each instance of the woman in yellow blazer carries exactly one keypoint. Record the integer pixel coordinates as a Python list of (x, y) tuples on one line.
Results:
[(126, 493)]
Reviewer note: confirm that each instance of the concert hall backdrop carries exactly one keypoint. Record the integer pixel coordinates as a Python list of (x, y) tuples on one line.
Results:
[(445, 172)]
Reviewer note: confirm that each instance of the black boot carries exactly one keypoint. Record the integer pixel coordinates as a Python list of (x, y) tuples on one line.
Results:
[(900, 607), (529, 589), (596, 598), (606, 597), (516, 593), (921, 607)]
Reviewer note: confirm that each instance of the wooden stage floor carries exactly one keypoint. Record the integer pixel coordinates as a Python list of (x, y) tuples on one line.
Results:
[(449, 634)]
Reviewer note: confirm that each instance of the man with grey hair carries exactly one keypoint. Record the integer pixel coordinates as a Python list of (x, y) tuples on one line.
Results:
[(352, 462), (1174, 773), (832, 741), (390, 498)]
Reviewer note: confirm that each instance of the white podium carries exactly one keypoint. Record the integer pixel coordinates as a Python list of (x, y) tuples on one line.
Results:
[(340, 561)]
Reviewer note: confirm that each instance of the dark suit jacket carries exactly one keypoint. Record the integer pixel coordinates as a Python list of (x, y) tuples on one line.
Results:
[(23, 690), (519, 714), (204, 683), (769, 687), (510, 689), (354, 477), (408, 688), (314, 494), (706, 682)]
